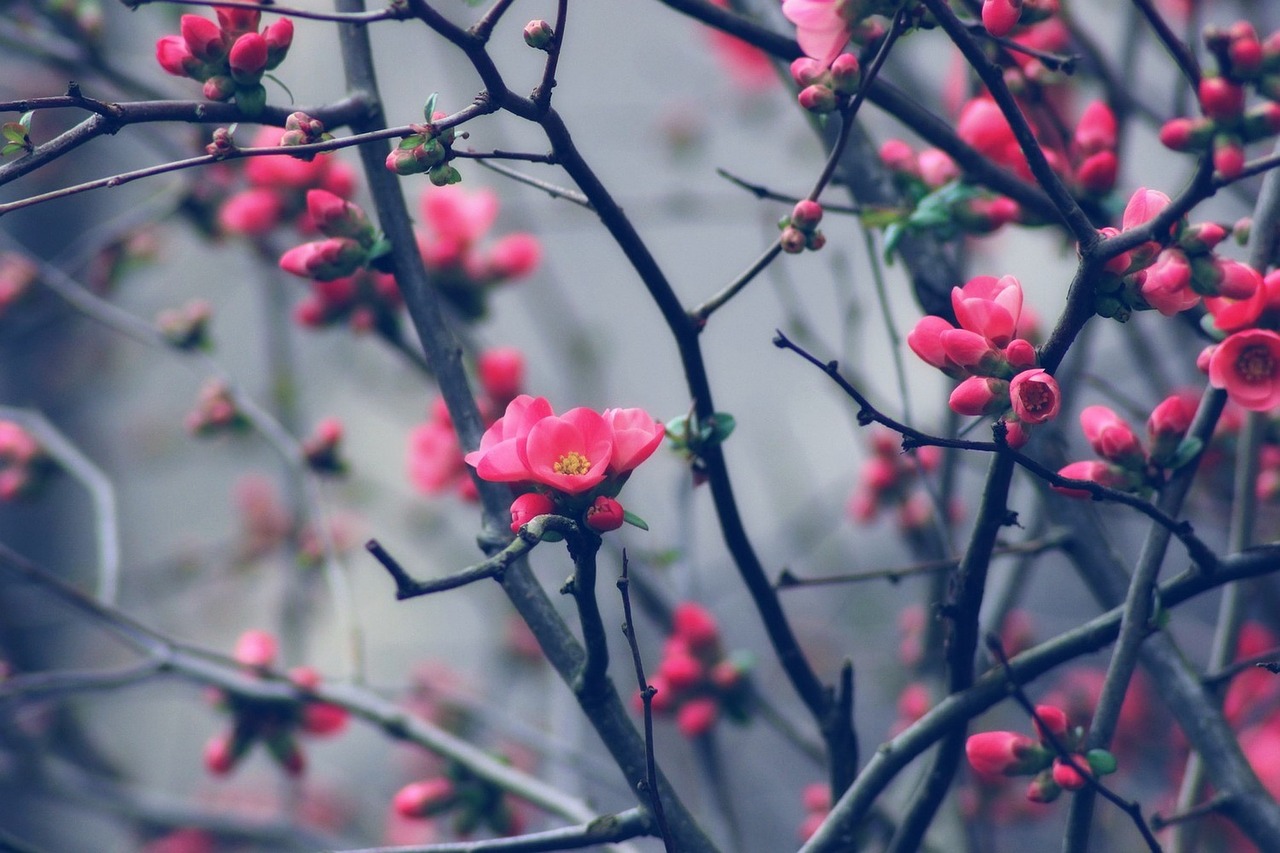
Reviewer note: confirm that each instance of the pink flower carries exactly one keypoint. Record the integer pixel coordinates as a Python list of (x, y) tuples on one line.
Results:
[(424, 798), (749, 67), (1093, 470), (175, 57), (635, 437), (1096, 130), (925, 341), (989, 306), (501, 457), (983, 126), (248, 58), (971, 351), (1247, 365), (693, 624), (235, 20), (204, 38), (514, 256), (1166, 284), (435, 457), (570, 453), (529, 506), (1035, 396), (334, 216), (501, 372), (256, 648), (696, 717), (822, 26), (936, 168), (325, 260), (994, 754), (1111, 437), (459, 216)]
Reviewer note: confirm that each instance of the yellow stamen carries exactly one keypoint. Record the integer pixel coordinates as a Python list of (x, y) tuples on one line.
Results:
[(572, 463)]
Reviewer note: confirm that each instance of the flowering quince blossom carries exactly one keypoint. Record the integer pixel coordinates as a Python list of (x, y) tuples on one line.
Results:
[(823, 27), (229, 57), (575, 458), (1247, 365)]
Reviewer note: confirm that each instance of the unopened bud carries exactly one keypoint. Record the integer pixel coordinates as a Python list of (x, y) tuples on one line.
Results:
[(539, 35)]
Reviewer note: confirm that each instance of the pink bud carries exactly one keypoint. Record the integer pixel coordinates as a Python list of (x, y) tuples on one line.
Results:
[(334, 216), (1111, 437), (1097, 128), (256, 648), (792, 240), (806, 71), (818, 99), (806, 215), (681, 671), (1068, 777), (1228, 156), (529, 506), (1054, 719), (845, 74), (248, 58), (204, 38), (980, 395), (252, 212), (235, 20), (219, 87), (425, 798), (538, 35), (696, 717), (175, 57), (604, 514), (1094, 471), (937, 168), (1097, 174), (898, 156), (1167, 284), (997, 753), (971, 351), (501, 372), (514, 256), (1020, 354), (1001, 16), (323, 718), (1221, 99), (1171, 418), (221, 754), (694, 624), (279, 37)]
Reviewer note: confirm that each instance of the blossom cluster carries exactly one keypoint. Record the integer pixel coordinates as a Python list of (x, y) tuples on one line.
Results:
[(1246, 363), (229, 57), (274, 724), (455, 222), (572, 464), (1125, 463), (999, 371), (1172, 278), (1003, 753), (888, 479), (1226, 125), (278, 186), (435, 459), (426, 150), (695, 681)]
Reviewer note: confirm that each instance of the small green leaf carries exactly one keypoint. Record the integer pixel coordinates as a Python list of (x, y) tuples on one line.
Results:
[(429, 109), (634, 520), (892, 237), (721, 425), (1101, 762), (25, 120), (14, 132)]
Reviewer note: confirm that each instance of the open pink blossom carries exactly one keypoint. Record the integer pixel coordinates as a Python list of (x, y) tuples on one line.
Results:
[(570, 453), (1166, 284), (822, 26), (635, 436), (989, 306), (501, 456), (1035, 396), (1247, 365)]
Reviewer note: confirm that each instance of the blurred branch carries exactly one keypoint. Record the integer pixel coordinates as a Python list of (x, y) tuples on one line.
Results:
[(617, 827)]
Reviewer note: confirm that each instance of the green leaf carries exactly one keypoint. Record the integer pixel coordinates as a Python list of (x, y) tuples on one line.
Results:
[(14, 132), (429, 109), (410, 142), (634, 520), (892, 237), (721, 425), (1188, 450), (1101, 762), (25, 120)]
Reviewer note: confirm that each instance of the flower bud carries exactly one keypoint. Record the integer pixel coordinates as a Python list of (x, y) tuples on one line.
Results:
[(425, 798), (806, 215), (539, 35), (1094, 471), (818, 99), (248, 58), (1097, 129), (334, 216), (845, 74), (204, 38), (604, 515), (806, 71), (696, 717), (1186, 134), (1228, 155), (326, 260), (514, 256), (694, 624), (1111, 437), (235, 20), (176, 58), (1000, 753), (1020, 354), (980, 395), (1067, 776), (1221, 99), (1052, 718), (793, 240), (279, 37), (1097, 174), (1043, 789), (219, 88), (256, 648), (501, 372), (529, 506), (223, 752), (1001, 16)]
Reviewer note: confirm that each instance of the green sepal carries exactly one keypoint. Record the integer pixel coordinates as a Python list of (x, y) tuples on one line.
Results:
[(1188, 449), (634, 520), (1101, 762), (25, 120), (411, 142)]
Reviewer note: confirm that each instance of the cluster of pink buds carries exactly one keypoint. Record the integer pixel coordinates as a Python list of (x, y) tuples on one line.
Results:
[(347, 282), (826, 87), (572, 465), (229, 57), (456, 220), (17, 275), (278, 186), (936, 199), (216, 411), (426, 150), (1226, 125), (816, 797), (1125, 464), (274, 723), (1000, 17), (435, 456), (999, 371), (1173, 278), (996, 754), (474, 802), (800, 229), (23, 463), (186, 328), (322, 449), (695, 681), (888, 478)]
